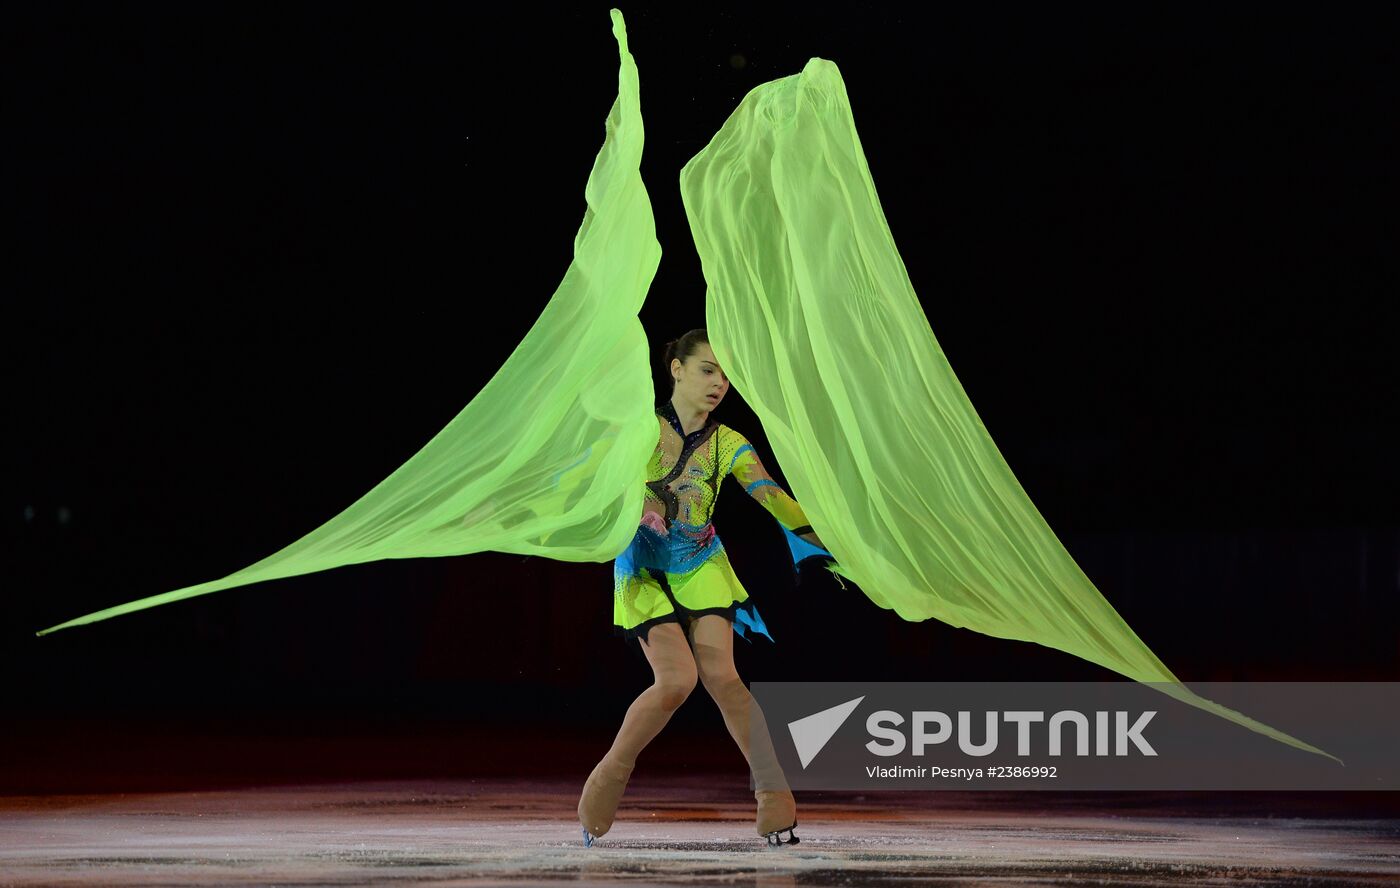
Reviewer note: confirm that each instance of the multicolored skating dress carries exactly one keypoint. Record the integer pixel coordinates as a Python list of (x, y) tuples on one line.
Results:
[(676, 566)]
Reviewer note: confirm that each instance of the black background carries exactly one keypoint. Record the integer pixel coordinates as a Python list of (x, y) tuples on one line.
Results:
[(260, 255)]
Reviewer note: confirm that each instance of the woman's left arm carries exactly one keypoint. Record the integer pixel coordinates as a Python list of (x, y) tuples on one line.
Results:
[(748, 469)]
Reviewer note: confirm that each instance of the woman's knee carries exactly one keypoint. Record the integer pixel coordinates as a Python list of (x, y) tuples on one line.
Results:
[(723, 684), (672, 663), (675, 686)]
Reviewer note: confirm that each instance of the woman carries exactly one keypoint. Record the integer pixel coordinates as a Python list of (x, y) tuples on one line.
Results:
[(675, 592)]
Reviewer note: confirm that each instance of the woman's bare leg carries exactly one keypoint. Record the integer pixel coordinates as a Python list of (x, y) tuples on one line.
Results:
[(674, 676), (713, 638)]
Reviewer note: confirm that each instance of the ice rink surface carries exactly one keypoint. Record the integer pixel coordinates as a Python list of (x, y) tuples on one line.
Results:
[(694, 830)]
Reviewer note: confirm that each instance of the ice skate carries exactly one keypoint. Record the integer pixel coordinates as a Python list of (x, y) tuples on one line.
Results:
[(601, 793), (777, 814)]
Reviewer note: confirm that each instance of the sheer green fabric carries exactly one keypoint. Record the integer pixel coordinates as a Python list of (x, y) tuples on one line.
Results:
[(550, 456), (812, 314)]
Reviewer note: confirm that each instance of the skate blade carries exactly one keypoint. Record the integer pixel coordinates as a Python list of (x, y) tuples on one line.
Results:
[(775, 839)]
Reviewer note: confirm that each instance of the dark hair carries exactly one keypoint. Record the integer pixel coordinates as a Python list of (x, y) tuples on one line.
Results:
[(683, 348)]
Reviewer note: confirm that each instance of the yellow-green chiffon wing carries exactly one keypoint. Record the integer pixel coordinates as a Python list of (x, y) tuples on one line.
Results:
[(813, 316)]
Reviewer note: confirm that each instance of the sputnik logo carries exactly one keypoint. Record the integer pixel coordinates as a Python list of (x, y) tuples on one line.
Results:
[(811, 733)]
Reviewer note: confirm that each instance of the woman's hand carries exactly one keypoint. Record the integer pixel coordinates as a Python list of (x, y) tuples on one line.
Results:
[(656, 522)]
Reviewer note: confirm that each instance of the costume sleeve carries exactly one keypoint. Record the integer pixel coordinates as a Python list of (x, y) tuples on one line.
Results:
[(748, 470)]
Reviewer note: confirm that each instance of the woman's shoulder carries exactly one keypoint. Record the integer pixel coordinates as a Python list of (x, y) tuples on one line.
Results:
[(732, 438)]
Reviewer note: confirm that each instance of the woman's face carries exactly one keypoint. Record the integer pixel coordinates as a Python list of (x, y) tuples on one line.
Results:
[(700, 382)]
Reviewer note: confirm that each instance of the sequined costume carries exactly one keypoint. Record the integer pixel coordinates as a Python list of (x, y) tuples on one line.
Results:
[(676, 565)]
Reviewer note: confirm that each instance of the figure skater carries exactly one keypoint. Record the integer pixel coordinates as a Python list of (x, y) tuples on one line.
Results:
[(676, 595)]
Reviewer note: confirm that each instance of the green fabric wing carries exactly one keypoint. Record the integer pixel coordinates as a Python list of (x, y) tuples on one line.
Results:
[(550, 456), (813, 316)]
